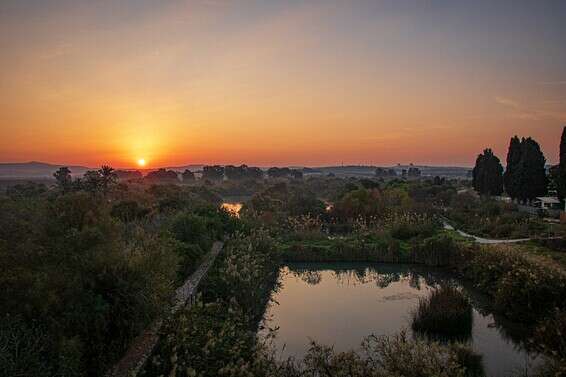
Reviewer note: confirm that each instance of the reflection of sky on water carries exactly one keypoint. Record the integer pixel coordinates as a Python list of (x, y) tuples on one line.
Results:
[(340, 304), (233, 208)]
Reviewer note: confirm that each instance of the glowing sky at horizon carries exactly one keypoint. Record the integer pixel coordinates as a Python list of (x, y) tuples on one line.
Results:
[(265, 83)]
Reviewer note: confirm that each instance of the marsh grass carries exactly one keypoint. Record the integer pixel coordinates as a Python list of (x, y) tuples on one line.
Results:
[(446, 314)]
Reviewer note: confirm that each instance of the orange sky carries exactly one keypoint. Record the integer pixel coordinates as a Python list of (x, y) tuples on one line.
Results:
[(277, 83)]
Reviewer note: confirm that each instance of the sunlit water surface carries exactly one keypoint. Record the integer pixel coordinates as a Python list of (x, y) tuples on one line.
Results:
[(339, 304)]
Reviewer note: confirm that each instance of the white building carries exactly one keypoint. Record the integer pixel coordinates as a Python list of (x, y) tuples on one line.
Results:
[(547, 203)]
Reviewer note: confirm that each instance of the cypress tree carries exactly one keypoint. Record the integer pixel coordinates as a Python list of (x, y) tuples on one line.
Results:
[(533, 179), (512, 177), (488, 174), (561, 184)]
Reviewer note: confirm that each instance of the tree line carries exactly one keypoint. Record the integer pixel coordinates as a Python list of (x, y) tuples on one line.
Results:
[(525, 176)]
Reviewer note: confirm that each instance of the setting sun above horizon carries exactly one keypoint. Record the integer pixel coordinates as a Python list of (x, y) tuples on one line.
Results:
[(286, 83), (141, 162)]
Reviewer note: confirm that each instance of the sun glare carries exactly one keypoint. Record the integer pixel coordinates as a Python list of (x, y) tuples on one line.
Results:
[(141, 162)]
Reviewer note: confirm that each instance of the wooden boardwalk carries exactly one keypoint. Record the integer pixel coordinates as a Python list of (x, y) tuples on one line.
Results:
[(142, 347)]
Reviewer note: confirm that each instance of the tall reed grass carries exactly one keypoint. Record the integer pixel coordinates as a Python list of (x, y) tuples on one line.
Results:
[(445, 314)]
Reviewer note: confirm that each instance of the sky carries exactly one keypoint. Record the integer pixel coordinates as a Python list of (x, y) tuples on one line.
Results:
[(281, 82)]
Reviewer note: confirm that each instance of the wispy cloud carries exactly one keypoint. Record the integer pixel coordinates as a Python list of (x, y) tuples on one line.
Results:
[(507, 102), (520, 111), (559, 82)]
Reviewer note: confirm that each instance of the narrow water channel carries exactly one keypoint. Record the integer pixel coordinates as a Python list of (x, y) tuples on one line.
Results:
[(341, 303)]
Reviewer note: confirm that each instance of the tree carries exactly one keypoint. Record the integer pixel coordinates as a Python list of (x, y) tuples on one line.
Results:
[(108, 177), (512, 177), (63, 178), (488, 174), (213, 173), (162, 176), (561, 174), (525, 177), (92, 181), (127, 175), (534, 181), (188, 176)]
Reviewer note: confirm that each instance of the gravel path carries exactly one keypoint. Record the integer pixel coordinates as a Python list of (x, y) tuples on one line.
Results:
[(487, 241)]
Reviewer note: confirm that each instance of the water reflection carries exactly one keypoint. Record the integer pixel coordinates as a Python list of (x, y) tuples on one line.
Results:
[(341, 303), (233, 208)]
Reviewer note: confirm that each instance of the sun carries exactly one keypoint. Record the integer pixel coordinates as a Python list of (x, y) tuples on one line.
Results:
[(141, 162)]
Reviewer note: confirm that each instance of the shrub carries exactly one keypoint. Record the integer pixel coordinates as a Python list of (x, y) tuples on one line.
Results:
[(399, 356), (550, 335), (439, 250), (445, 313), (405, 226), (524, 287)]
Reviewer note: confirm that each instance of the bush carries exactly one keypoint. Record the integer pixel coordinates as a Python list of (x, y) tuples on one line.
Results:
[(439, 250), (71, 271), (524, 287), (410, 225), (550, 335), (446, 313)]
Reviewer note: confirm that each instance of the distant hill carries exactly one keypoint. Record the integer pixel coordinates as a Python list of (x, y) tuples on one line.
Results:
[(35, 169), (369, 171), (181, 169)]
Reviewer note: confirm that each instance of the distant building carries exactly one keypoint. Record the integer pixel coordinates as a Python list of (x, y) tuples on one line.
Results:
[(547, 203), (414, 172)]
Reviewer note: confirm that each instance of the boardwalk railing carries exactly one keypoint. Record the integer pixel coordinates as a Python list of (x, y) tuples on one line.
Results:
[(142, 346)]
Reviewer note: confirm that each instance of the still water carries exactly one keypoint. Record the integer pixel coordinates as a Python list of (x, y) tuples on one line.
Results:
[(341, 303)]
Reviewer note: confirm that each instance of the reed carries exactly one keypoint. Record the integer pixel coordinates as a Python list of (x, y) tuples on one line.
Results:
[(445, 314)]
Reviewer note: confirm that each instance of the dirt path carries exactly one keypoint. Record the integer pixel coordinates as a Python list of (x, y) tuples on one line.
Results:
[(488, 241), (142, 346)]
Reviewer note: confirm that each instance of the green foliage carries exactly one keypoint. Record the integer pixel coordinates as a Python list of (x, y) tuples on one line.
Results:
[(489, 218), (83, 274), (445, 314), (405, 226), (359, 203), (128, 211), (382, 356), (63, 179), (438, 250), (525, 288), (217, 337)]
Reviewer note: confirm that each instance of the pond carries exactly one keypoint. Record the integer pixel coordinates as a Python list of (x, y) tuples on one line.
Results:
[(341, 303), (233, 204)]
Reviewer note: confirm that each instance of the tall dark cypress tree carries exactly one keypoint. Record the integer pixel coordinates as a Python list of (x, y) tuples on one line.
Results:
[(561, 184), (488, 174), (512, 177), (534, 181)]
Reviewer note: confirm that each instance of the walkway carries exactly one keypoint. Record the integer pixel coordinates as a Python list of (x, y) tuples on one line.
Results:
[(142, 347), (485, 241)]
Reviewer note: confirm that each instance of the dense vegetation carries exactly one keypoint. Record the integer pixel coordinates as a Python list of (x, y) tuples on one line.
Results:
[(85, 266), (88, 264)]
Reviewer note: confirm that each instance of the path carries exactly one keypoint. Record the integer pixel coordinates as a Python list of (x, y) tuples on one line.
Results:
[(483, 240), (142, 346)]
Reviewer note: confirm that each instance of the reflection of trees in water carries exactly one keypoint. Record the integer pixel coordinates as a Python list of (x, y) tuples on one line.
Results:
[(417, 277), (382, 275), (308, 276)]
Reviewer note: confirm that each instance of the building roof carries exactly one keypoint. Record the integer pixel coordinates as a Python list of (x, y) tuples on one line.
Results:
[(548, 199)]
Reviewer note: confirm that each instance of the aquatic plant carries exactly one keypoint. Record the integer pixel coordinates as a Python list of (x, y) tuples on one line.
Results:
[(444, 314)]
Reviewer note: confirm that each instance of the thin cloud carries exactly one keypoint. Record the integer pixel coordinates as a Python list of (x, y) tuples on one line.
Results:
[(506, 102), (563, 82)]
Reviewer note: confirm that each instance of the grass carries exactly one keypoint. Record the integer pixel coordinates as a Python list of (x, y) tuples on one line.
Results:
[(445, 314)]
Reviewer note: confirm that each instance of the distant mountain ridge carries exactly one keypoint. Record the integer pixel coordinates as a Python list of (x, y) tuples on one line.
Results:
[(35, 169)]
